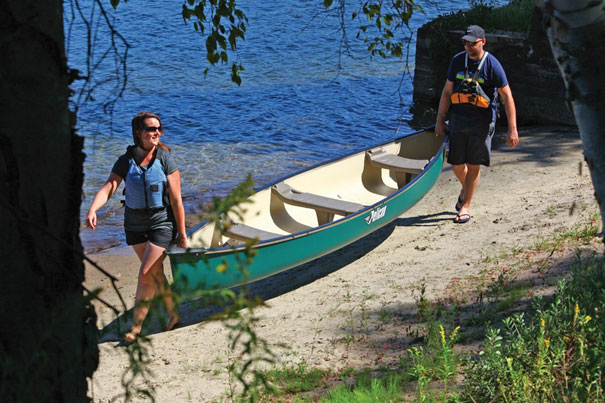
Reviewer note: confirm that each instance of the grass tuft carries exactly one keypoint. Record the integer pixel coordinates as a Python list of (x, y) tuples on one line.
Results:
[(297, 378), (368, 389)]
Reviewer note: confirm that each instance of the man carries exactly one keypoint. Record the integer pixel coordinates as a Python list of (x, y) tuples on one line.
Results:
[(474, 80)]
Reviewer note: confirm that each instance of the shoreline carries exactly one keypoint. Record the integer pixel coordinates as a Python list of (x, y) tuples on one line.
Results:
[(328, 311), (106, 242)]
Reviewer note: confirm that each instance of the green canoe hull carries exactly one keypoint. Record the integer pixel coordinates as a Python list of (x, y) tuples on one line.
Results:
[(204, 269)]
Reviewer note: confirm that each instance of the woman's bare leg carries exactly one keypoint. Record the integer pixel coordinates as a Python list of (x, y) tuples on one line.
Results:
[(151, 257), (164, 290)]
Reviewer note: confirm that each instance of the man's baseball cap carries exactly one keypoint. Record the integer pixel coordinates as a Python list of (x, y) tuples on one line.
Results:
[(473, 33)]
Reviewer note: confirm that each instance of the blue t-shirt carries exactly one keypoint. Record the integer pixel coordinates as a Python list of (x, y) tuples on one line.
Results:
[(491, 77)]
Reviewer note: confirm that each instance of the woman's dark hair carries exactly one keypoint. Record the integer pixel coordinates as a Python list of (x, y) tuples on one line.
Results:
[(138, 125)]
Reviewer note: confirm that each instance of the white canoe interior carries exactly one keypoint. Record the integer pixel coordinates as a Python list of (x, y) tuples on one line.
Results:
[(325, 193)]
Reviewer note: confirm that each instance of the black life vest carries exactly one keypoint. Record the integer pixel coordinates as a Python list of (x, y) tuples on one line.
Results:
[(469, 91)]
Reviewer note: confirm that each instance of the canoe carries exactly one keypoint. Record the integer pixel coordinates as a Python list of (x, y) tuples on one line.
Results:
[(311, 213)]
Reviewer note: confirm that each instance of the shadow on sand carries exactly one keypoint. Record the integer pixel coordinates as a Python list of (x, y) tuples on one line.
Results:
[(280, 283)]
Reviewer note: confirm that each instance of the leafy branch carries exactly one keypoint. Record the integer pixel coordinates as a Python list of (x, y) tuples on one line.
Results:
[(383, 24), (237, 313), (225, 24), (98, 52)]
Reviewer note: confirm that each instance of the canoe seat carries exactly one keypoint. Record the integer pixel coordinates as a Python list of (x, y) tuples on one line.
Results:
[(243, 232), (325, 207), (404, 168)]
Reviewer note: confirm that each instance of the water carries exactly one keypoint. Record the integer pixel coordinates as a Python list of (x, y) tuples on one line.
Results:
[(293, 109)]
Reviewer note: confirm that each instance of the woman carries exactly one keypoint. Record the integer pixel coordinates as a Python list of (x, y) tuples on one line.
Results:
[(154, 215)]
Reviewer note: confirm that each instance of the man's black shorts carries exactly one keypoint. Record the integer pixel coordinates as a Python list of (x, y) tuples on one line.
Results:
[(470, 141)]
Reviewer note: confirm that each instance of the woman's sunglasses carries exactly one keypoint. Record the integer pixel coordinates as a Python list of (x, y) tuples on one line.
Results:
[(153, 129)]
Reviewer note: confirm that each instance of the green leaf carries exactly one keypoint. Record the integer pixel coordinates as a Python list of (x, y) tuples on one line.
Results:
[(185, 13), (222, 42), (211, 43), (213, 58), (235, 77), (327, 3), (199, 13), (114, 3)]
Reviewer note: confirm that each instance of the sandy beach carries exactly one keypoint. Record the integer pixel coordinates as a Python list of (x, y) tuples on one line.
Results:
[(331, 312)]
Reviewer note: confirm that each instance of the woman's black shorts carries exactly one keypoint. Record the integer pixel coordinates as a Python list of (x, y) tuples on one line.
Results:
[(155, 226)]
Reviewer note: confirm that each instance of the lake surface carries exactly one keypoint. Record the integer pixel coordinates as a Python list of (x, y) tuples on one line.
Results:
[(294, 108)]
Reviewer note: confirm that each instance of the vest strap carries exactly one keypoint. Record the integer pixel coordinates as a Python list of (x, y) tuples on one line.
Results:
[(476, 76)]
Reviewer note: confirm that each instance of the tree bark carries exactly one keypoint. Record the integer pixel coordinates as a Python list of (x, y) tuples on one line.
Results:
[(47, 331), (576, 29)]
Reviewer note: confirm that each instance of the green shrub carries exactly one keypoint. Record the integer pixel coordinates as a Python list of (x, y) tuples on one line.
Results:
[(515, 16), (558, 354)]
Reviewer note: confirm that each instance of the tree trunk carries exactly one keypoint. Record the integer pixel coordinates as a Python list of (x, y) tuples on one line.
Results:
[(576, 29), (47, 332)]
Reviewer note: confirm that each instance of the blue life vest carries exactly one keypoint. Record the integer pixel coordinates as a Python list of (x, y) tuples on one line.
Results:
[(145, 187)]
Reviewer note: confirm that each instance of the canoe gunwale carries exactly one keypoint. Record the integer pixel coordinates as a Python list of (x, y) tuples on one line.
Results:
[(173, 250)]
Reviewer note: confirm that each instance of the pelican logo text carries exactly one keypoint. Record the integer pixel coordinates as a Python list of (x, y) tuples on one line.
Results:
[(376, 214)]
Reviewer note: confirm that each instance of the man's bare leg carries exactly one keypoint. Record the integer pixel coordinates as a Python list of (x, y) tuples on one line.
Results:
[(460, 172), (469, 176)]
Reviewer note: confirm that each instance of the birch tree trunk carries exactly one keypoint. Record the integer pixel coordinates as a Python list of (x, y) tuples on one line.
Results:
[(47, 332), (576, 31)]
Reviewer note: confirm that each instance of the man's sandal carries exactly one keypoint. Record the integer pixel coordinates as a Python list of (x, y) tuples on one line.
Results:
[(459, 203), (462, 218)]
